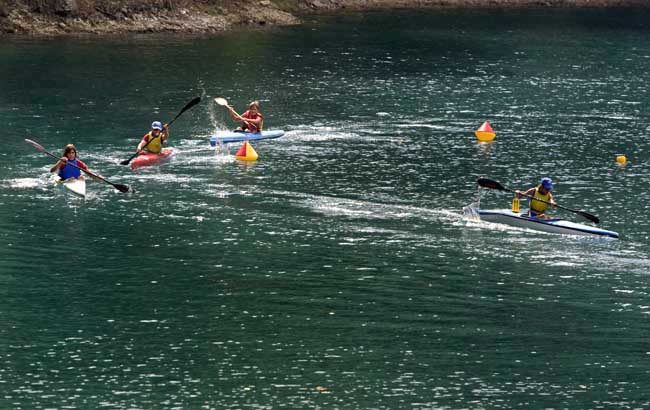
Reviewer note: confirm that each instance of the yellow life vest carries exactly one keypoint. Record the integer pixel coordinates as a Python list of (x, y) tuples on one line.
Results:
[(155, 143), (537, 206)]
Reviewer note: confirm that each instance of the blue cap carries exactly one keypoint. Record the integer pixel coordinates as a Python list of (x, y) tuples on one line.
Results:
[(156, 125), (547, 183)]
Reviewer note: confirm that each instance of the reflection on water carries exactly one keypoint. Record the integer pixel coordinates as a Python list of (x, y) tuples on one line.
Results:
[(485, 148), (346, 267)]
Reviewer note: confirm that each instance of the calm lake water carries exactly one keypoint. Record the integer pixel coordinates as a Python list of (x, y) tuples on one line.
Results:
[(338, 270)]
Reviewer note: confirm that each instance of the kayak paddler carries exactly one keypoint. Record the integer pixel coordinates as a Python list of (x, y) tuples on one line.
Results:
[(252, 120), (543, 192), (154, 140), (65, 170)]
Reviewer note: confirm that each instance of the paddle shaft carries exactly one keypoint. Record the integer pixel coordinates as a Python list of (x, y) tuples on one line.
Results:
[(223, 102), (488, 183), (119, 187), (240, 117), (187, 107), (587, 215)]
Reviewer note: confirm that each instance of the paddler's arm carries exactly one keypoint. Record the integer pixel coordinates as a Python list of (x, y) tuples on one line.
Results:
[(257, 122), (58, 164), (84, 167), (529, 192), (165, 133), (239, 118), (141, 144), (233, 114)]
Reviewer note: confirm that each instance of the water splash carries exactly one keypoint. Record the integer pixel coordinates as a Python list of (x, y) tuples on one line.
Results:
[(470, 212)]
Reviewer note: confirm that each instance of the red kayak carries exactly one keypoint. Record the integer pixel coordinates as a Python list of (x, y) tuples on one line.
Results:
[(149, 158)]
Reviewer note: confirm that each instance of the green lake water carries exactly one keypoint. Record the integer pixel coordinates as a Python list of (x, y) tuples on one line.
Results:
[(338, 270)]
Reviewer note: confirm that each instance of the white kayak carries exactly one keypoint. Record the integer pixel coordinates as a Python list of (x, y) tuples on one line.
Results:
[(561, 226), (76, 186)]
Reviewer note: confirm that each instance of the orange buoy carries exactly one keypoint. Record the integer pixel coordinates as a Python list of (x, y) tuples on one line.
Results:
[(246, 153), (485, 133), (621, 159)]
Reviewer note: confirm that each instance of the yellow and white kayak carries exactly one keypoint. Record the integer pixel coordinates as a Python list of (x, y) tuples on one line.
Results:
[(75, 186)]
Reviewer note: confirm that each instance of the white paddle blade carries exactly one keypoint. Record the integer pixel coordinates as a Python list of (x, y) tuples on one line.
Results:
[(35, 145), (221, 101)]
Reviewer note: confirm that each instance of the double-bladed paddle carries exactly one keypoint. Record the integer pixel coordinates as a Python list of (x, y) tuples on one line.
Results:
[(119, 187), (491, 184), (187, 107)]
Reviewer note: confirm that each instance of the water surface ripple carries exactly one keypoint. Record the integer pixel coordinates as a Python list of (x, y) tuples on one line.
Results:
[(337, 271)]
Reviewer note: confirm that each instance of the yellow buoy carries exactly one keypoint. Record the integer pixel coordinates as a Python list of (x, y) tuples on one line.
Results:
[(246, 153), (485, 133), (620, 158)]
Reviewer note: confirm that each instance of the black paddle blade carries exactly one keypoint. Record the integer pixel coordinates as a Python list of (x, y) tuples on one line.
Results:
[(488, 183), (121, 188), (125, 162), (189, 105), (192, 103), (592, 218)]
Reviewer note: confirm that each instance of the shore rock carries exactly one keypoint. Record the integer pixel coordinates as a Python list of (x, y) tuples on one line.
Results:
[(101, 17)]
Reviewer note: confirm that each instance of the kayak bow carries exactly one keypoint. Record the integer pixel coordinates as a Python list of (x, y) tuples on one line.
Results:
[(149, 158), (76, 186)]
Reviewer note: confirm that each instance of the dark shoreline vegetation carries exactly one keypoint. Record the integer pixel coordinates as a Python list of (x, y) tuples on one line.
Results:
[(60, 17)]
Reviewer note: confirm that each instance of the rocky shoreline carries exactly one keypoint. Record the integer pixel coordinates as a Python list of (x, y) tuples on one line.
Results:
[(103, 17)]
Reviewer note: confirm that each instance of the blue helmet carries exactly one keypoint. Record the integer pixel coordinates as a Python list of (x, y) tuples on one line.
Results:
[(156, 125), (547, 183)]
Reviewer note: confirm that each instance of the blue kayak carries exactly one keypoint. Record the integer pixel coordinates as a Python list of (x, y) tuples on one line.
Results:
[(226, 137)]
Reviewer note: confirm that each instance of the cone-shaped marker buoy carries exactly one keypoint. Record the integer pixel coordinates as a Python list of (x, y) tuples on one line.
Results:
[(485, 133), (246, 153)]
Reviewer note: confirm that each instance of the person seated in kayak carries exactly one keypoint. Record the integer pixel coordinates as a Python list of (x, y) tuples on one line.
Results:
[(252, 120), (541, 192), (154, 140), (64, 165)]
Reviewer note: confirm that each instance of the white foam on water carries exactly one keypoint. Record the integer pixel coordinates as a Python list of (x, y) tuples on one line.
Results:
[(24, 183)]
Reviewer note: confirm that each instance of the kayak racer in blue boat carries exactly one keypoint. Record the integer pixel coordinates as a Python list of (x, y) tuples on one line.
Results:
[(542, 197), (252, 120)]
